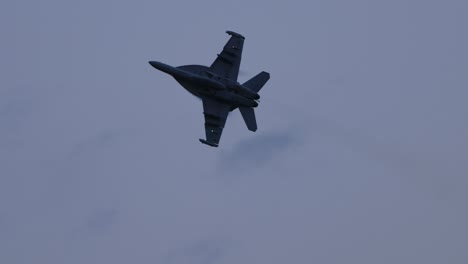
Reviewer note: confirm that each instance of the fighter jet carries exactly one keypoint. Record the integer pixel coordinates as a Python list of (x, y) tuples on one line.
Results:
[(218, 88)]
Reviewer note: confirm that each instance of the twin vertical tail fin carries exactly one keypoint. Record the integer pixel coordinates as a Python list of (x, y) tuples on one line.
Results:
[(248, 114), (257, 82), (254, 84)]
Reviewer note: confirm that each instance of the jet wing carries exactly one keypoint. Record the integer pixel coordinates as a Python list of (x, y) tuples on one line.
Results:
[(228, 61), (216, 114)]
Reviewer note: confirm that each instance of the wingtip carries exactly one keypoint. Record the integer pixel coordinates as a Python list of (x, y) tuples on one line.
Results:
[(211, 144), (232, 33)]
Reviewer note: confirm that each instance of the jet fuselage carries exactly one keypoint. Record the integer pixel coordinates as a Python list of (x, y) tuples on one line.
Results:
[(199, 81)]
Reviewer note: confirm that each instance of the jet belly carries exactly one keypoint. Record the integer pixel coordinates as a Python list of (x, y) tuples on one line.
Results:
[(246, 92), (207, 82), (235, 99), (187, 76)]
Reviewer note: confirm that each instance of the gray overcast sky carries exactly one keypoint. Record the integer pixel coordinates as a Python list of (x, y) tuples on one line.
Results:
[(361, 154)]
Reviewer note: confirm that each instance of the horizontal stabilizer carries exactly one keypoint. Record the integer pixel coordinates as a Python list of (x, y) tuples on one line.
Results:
[(257, 82), (248, 114)]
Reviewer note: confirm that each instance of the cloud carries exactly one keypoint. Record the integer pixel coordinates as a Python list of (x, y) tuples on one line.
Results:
[(257, 151), (16, 107), (89, 165), (101, 221), (95, 223), (207, 251), (89, 145)]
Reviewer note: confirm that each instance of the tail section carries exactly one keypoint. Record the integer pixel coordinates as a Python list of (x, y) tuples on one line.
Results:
[(257, 82), (248, 114), (254, 85)]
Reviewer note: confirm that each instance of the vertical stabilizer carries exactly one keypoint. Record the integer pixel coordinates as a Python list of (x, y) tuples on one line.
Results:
[(257, 82), (248, 114)]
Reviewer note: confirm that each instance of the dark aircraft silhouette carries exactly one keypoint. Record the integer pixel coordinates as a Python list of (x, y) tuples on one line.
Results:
[(218, 88)]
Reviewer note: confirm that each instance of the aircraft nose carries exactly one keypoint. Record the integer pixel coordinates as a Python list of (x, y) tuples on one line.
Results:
[(155, 64), (163, 67), (159, 65)]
